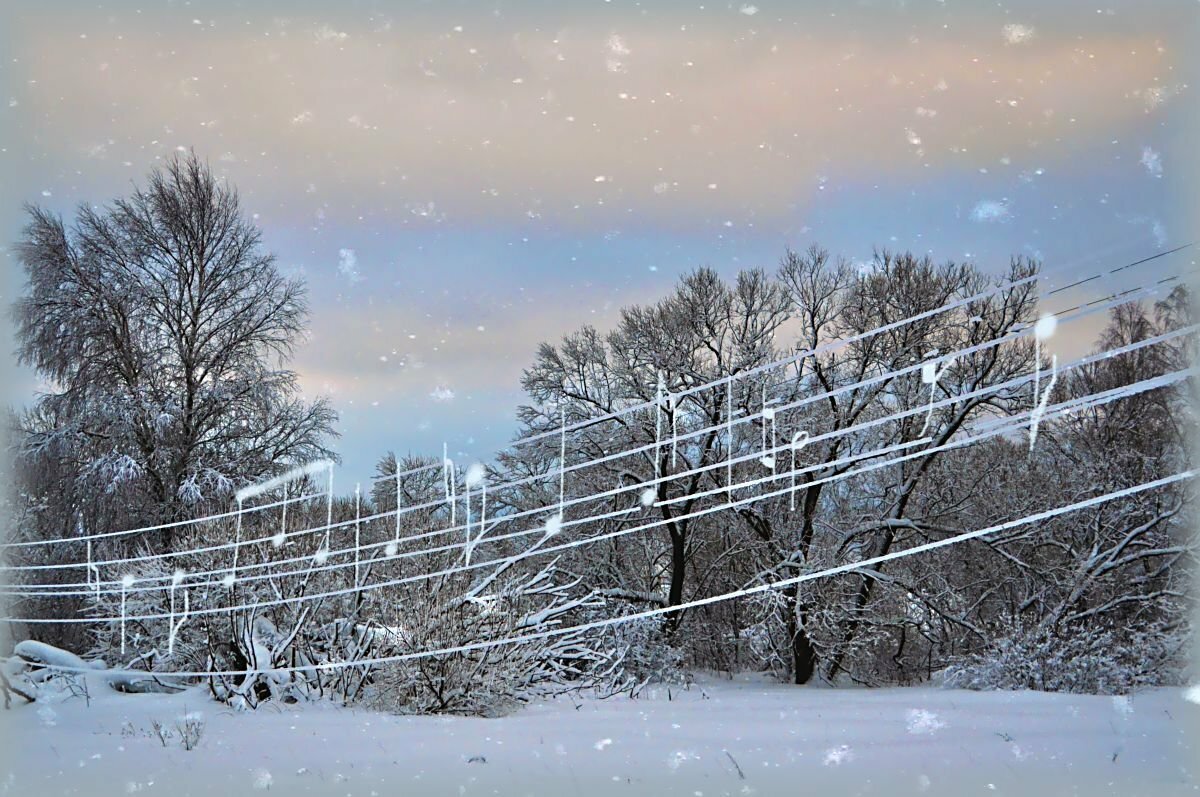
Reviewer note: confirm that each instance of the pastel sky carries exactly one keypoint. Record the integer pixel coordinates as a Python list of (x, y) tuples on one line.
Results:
[(460, 181)]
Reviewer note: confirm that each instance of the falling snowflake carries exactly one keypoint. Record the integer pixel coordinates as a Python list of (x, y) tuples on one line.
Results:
[(262, 779), (348, 265), (1152, 161), (678, 757), (616, 52), (990, 210), (838, 755), (328, 34), (1155, 96), (1160, 233), (1017, 34)]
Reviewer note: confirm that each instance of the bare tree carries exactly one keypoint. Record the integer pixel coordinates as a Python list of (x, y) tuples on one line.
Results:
[(705, 330), (868, 397), (162, 327)]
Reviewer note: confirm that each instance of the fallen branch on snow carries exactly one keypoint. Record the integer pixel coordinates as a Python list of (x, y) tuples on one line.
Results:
[(48, 660)]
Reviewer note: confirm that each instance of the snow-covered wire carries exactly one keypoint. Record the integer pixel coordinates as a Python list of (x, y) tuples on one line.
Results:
[(233, 513), (1001, 426), (282, 480), (278, 538), (94, 586), (851, 567)]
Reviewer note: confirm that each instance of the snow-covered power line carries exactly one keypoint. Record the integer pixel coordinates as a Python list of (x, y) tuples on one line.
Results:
[(851, 567), (295, 474), (161, 526), (276, 538), (26, 590), (1002, 426)]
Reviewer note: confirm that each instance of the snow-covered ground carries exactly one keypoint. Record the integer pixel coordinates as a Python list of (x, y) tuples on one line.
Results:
[(748, 736)]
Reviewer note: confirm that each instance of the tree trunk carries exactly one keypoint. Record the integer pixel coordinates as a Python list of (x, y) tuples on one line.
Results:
[(678, 570), (804, 655), (860, 604)]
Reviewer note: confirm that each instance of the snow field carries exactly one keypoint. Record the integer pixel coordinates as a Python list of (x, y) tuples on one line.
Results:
[(720, 737)]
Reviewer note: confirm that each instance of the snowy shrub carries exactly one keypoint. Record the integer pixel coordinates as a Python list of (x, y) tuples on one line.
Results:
[(1082, 659), (161, 732), (256, 656), (190, 728), (646, 656), (483, 679), (76, 685)]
